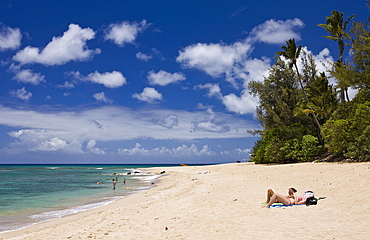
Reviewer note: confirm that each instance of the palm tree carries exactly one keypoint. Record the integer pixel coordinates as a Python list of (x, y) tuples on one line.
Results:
[(291, 52), (336, 27)]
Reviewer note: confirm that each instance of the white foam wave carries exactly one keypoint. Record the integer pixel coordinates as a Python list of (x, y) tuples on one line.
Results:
[(70, 211), (149, 178)]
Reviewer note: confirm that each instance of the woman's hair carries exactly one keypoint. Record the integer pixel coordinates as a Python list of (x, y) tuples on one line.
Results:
[(294, 190)]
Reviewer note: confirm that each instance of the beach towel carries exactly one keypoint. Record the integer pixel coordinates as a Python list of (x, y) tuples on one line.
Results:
[(278, 205)]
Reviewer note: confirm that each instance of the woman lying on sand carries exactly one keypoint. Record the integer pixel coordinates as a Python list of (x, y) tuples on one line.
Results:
[(290, 199)]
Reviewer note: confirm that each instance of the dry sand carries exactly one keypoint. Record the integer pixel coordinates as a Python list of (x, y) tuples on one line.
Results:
[(224, 202)]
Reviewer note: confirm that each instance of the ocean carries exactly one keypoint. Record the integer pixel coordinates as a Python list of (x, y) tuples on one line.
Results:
[(31, 194)]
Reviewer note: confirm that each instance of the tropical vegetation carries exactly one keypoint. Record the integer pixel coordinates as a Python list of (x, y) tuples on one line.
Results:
[(302, 114)]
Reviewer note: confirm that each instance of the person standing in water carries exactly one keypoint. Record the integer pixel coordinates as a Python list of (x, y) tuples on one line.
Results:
[(114, 184)]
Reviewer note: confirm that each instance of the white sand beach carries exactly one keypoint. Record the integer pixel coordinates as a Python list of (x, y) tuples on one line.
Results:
[(224, 202)]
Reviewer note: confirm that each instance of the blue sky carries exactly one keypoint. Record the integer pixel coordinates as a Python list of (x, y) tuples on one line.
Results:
[(144, 81)]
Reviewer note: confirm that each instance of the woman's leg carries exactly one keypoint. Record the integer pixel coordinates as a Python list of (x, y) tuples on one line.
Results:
[(279, 198), (269, 195)]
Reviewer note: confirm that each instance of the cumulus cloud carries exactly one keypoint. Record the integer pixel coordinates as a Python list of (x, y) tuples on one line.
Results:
[(53, 144), (164, 78), (125, 32), (254, 69), (243, 104), (233, 61), (56, 144), (91, 147), (100, 97), (323, 59), (45, 140), (149, 95), (168, 121), (183, 151), (21, 94), (113, 79), (277, 31), (26, 75), (69, 47), (237, 152), (10, 38), (214, 59)]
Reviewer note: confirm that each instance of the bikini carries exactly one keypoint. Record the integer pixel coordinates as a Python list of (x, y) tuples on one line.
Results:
[(289, 199)]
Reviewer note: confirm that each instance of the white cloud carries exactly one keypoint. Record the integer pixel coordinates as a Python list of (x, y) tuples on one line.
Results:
[(164, 78), (183, 151), (66, 85), (10, 38), (125, 32), (69, 47), (143, 56), (21, 94), (91, 147), (232, 61), (42, 130), (245, 104), (214, 90), (137, 150), (210, 126), (168, 121), (237, 152), (210, 123), (102, 98), (113, 79), (149, 95), (154, 53), (26, 75), (323, 60), (214, 59), (53, 144), (242, 105), (255, 70), (277, 31)]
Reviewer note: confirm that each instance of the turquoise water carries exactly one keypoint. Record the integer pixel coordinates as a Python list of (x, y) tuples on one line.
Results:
[(31, 194)]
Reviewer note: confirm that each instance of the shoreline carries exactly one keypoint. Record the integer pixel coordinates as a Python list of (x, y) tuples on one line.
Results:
[(224, 201), (40, 214)]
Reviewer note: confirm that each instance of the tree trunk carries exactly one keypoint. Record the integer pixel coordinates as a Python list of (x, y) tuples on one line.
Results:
[(316, 121)]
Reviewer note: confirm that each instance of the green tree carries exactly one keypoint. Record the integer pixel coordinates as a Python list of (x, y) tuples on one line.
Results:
[(336, 27), (347, 132), (291, 52), (360, 48), (323, 99), (278, 96)]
